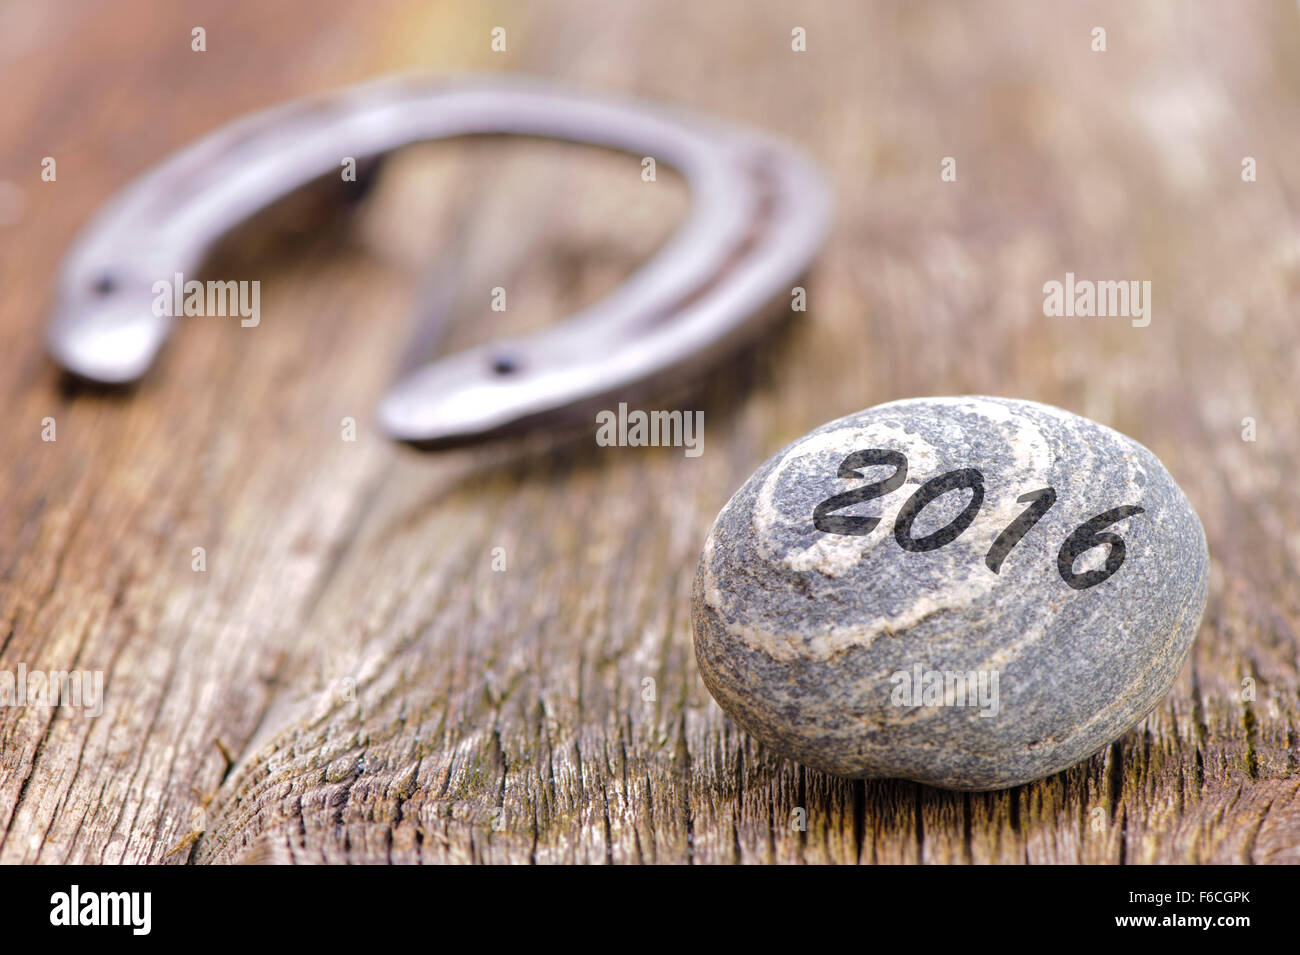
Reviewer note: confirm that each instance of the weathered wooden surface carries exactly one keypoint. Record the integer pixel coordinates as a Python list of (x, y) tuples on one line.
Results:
[(384, 695)]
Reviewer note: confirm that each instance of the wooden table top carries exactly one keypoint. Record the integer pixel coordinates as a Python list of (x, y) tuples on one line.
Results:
[(350, 679)]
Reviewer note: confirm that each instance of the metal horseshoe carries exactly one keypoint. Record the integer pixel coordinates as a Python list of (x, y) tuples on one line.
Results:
[(759, 212)]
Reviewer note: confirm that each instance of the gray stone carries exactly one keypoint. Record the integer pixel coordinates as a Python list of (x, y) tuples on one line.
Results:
[(815, 641)]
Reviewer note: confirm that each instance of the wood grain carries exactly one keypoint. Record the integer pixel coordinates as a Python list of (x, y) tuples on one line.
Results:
[(350, 680)]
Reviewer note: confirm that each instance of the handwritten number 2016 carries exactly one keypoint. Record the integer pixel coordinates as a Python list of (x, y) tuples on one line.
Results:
[(1086, 536)]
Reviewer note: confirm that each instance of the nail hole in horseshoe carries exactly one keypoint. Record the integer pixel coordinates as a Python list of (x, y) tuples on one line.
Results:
[(504, 364)]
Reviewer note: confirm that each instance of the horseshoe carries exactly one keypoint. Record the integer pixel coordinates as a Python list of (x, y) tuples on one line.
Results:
[(759, 212)]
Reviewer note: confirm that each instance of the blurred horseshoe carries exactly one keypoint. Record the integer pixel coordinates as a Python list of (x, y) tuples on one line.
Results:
[(759, 212)]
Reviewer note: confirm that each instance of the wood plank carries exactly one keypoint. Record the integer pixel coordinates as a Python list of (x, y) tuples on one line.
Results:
[(350, 680)]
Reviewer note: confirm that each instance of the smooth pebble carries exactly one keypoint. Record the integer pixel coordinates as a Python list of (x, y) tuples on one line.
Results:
[(896, 650)]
